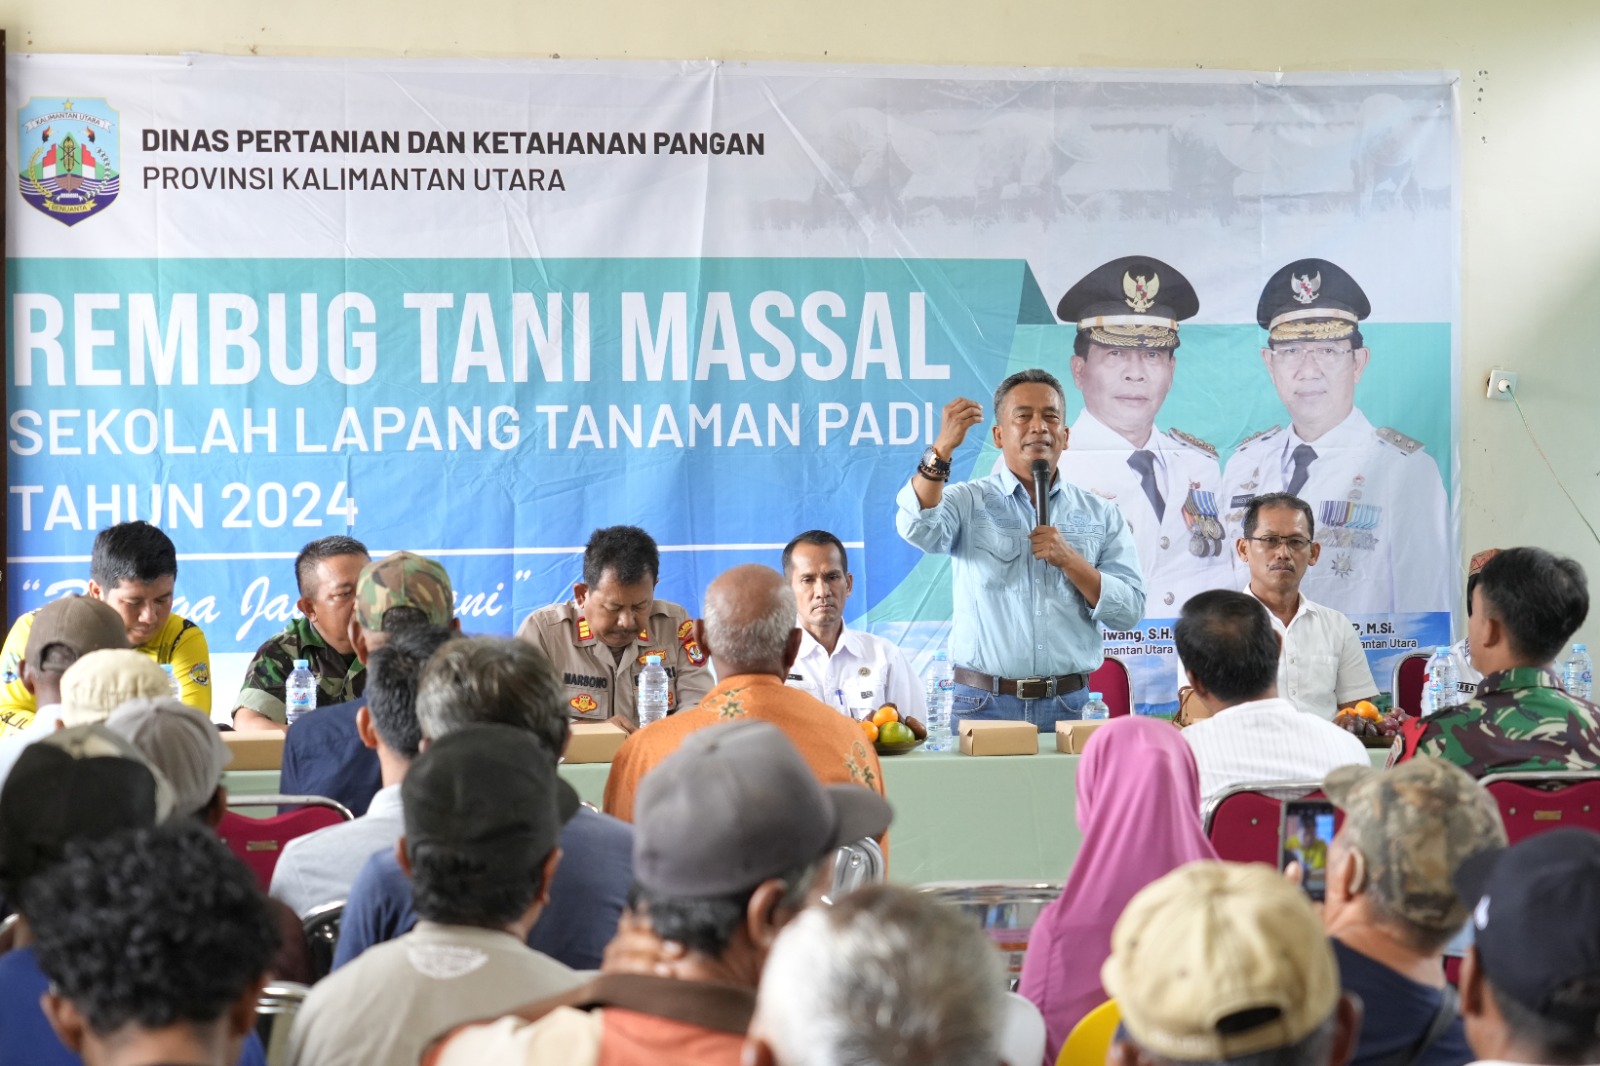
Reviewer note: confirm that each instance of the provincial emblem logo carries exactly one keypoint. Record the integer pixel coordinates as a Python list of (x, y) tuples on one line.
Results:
[(1305, 288), (68, 157), (1140, 291)]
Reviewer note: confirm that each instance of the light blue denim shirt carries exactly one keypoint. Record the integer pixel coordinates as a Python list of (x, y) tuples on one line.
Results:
[(1017, 616)]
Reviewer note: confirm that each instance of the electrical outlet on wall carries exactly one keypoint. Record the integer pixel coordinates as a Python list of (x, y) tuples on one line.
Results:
[(1502, 383)]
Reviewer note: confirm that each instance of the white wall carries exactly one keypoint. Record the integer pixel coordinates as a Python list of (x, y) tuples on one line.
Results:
[(1530, 160)]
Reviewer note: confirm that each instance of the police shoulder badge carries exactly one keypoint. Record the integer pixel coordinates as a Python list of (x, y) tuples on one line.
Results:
[(68, 155), (690, 646), (584, 632), (583, 703), (1304, 288), (1141, 291)]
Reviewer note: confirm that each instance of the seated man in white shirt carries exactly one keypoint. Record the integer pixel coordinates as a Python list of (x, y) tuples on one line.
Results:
[(1323, 669), (320, 867), (850, 670), (1229, 647)]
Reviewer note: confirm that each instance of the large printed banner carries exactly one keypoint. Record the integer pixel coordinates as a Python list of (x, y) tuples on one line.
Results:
[(476, 309)]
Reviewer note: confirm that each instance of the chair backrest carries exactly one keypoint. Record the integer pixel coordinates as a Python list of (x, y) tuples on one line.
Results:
[(1405, 688), (321, 927), (1007, 911), (1111, 681), (1534, 803), (856, 865), (275, 1010), (259, 841), (1022, 1032), (1090, 1039), (1242, 823)]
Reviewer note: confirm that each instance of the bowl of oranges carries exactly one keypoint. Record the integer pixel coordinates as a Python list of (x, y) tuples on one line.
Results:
[(893, 734), (1365, 720)]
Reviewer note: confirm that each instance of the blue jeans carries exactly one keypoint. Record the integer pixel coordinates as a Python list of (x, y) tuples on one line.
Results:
[(983, 705)]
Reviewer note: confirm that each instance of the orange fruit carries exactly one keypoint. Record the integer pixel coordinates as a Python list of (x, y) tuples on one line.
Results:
[(886, 714), (870, 728), (1366, 710)]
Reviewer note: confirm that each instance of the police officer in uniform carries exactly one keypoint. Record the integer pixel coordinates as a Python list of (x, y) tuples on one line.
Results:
[(599, 639), (1381, 512), (1166, 484)]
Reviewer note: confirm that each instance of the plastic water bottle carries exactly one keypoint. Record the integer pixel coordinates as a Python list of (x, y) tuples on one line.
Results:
[(1096, 710), (1439, 690), (174, 686), (1577, 676), (652, 702), (941, 679), (299, 691)]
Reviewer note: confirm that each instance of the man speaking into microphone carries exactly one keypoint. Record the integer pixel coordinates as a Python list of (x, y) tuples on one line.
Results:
[(1036, 573)]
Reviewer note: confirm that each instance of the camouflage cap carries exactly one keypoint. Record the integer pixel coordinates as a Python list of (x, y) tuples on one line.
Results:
[(1415, 824), (403, 580)]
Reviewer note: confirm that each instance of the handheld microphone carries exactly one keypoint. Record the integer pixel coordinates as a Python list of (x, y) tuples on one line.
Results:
[(1041, 490)]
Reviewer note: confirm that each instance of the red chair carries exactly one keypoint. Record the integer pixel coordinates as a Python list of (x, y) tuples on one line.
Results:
[(259, 841), (1243, 822), (1405, 688), (1111, 681), (1534, 803)]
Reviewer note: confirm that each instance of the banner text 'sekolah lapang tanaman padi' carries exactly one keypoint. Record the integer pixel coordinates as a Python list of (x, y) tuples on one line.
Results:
[(478, 309)]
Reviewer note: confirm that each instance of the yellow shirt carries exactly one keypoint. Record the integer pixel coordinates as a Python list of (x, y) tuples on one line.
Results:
[(179, 642)]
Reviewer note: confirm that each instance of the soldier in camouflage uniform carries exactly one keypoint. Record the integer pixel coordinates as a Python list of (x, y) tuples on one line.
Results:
[(1525, 607), (326, 572)]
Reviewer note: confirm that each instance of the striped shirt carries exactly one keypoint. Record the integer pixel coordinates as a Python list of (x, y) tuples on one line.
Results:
[(1267, 740)]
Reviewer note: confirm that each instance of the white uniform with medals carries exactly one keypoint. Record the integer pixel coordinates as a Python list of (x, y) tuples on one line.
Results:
[(1382, 516), (863, 673), (1184, 551)]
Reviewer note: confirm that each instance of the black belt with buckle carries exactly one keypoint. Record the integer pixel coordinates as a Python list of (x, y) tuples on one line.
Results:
[(1024, 688)]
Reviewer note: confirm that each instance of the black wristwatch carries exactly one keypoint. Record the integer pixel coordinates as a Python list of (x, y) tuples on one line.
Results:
[(934, 468)]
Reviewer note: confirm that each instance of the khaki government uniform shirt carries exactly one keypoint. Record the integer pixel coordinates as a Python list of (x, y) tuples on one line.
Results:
[(597, 684)]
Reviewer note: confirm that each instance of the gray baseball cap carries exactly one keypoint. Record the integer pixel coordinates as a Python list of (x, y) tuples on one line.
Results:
[(735, 805), (180, 742)]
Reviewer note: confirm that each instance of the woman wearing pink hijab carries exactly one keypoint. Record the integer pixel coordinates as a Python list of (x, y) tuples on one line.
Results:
[(1139, 813)]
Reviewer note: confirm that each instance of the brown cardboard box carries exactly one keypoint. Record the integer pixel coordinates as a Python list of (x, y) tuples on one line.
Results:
[(1072, 736), (255, 751), (999, 738), (594, 742)]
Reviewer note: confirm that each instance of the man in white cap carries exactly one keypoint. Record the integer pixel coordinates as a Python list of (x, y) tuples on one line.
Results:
[(1221, 962), (90, 689)]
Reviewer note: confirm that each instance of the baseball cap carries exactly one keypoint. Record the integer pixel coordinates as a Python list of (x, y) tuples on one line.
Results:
[(490, 791), (179, 742), (1536, 912), (82, 623), (1217, 960), (1415, 824), (735, 805), (403, 580), (73, 785), (101, 681)]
